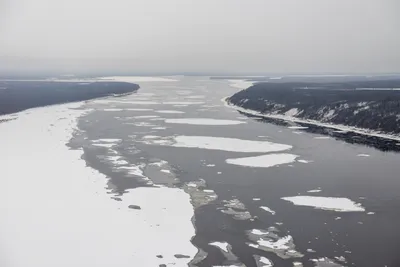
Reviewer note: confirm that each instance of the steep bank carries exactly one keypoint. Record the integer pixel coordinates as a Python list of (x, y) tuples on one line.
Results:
[(369, 105)]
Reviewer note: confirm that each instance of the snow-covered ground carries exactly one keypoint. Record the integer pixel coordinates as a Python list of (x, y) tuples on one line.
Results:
[(340, 127), (56, 211)]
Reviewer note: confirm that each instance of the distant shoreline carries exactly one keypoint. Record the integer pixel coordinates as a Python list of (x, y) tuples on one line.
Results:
[(16, 96), (311, 122)]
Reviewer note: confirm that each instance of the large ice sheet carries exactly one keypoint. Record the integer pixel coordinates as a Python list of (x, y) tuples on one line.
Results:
[(203, 121), (326, 203), (56, 211), (264, 161), (219, 143), (170, 111)]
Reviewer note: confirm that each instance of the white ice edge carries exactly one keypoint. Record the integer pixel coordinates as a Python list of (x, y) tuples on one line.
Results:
[(266, 262), (258, 232), (314, 191), (227, 144), (264, 161), (169, 111), (221, 245), (203, 121), (134, 79), (268, 210), (314, 122), (338, 204), (56, 211)]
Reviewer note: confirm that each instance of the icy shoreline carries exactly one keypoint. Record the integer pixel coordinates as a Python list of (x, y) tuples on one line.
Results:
[(312, 122), (56, 211)]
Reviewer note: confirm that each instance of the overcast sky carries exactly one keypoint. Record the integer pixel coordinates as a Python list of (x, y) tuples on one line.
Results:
[(214, 36)]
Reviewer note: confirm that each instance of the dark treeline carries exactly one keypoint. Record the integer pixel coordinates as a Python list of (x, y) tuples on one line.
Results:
[(365, 104), (20, 95)]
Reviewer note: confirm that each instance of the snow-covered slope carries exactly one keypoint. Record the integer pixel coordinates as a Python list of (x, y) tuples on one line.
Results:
[(343, 104)]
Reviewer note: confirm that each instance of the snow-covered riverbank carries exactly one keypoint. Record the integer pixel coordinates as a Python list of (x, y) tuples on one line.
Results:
[(56, 211)]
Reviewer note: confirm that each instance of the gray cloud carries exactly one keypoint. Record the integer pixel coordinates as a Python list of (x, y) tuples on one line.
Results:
[(200, 36)]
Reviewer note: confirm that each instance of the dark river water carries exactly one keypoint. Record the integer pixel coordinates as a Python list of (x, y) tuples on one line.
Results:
[(333, 167)]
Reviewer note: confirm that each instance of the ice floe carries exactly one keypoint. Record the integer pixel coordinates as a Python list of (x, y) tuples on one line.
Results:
[(339, 204), (298, 127), (104, 145), (146, 116), (200, 196), (237, 209), (325, 262), (268, 210), (113, 109), (182, 103), (314, 190), (269, 241), (127, 102), (107, 140), (203, 121), (180, 106), (258, 232), (170, 111), (219, 143), (264, 161), (304, 161), (262, 261), (195, 97), (226, 250)]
